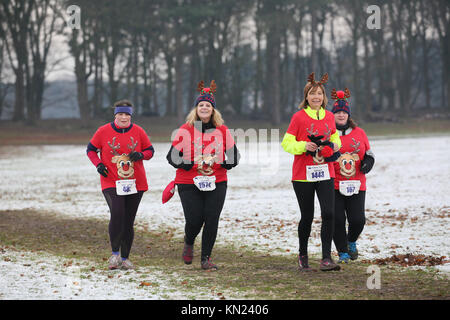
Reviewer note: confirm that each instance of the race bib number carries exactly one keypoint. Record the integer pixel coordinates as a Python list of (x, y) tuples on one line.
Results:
[(205, 183), (349, 187), (126, 187), (317, 173)]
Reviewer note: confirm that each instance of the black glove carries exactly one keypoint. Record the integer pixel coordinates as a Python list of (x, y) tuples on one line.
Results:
[(102, 169), (334, 157), (135, 156), (316, 140), (367, 163), (186, 166), (227, 166), (233, 157)]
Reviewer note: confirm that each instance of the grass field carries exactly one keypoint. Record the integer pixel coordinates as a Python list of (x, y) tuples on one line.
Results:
[(45, 233), (243, 274)]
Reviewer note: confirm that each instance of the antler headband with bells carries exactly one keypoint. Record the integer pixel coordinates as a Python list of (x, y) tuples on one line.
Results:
[(211, 90), (335, 95)]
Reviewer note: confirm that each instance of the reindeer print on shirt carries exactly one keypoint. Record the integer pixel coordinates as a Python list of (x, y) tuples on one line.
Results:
[(205, 162), (125, 167), (347, 161)]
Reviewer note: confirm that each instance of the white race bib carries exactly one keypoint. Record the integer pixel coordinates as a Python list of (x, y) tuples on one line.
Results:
[(317, 173), (349, 187), (126, 187), (205, 183)]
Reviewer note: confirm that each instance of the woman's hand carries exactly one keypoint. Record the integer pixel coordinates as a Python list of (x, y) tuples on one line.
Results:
[(311, 146), (335, 147)]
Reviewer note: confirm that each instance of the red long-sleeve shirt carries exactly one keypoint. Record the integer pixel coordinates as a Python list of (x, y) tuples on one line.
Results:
[(114, 145)]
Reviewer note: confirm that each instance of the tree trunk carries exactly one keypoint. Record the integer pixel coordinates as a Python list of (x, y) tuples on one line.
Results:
[(169, 98), (19, 102), (313, 41), (179, 80), (368, 99), (82, 98), (272, 91)]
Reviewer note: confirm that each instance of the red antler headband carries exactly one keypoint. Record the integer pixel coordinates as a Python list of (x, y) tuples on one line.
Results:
[(206, 94), (211, 90), (335, 95)]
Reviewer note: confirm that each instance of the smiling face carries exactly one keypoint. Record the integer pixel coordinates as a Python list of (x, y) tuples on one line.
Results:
[(341, 118), (204, 111), (123, 120), (315, 97)]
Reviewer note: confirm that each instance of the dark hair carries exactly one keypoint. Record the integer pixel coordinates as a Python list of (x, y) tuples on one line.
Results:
[(352, 124), (123, 102)]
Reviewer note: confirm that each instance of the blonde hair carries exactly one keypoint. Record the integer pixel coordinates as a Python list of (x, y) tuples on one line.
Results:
[(216, 117), (312, 88)]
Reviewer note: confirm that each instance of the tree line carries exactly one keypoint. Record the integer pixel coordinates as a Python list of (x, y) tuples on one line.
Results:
[(259, 52)]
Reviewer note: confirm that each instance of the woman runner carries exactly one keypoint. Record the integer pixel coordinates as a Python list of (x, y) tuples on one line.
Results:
[(123, 146), (312, 138)]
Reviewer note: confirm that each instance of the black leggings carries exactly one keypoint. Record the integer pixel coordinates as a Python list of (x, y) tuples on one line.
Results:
[(202, 208), (123, 212), (305, 196), (351, 208)]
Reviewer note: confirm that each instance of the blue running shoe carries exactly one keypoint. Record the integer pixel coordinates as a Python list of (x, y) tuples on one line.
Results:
[(352, 250), (343, 257)]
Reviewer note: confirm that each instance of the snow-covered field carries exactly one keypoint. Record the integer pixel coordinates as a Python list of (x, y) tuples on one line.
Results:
[(407, 209)]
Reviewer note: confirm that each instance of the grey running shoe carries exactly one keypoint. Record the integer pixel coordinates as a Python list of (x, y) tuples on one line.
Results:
[(207, 264), (328, 264), (127, 265), (188, 253), (303, 263), (114, 262)]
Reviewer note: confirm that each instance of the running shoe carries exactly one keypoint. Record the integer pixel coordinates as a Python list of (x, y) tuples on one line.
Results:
[(352, 250), (343, 257), (328, 264), (207, 264), (188, 253), (303, 263), (127, 265), (114, 262)]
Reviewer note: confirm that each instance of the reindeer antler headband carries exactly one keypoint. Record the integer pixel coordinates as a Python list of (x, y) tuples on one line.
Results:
[(322, 81), (341, 103), (211, 90), (206, 94), (335, 95)]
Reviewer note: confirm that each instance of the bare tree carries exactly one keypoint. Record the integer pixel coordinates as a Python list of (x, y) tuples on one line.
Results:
[(40, 34), (79, 40), (441, 12), (17, 17)]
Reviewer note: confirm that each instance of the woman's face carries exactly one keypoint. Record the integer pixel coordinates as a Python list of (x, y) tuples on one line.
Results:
[(315, 97), (341, 118), (204, 111), (123, 119)]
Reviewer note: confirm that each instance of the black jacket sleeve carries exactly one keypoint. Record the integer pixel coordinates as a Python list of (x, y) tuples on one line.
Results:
[(232, 158), (175, 159), (367, 162)]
